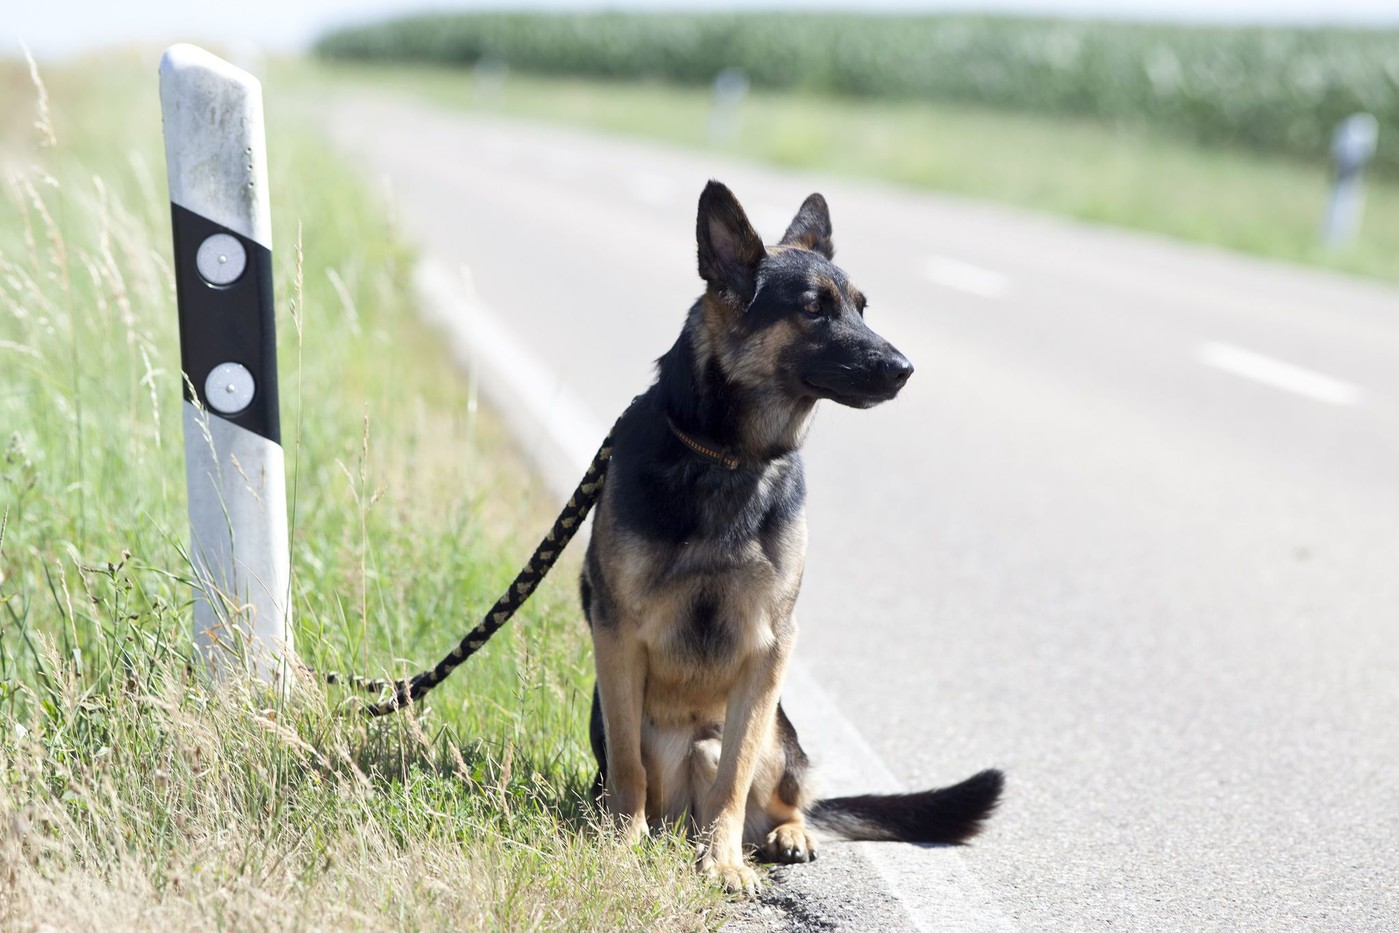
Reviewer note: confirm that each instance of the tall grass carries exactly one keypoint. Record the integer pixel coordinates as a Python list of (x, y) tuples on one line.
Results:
[(135, 795)]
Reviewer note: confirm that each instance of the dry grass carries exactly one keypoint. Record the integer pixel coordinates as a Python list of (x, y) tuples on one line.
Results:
[(181, 809)]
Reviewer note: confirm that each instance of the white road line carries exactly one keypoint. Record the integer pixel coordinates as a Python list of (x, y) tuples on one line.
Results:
[(1277, 374), (549, 422), (965, 277), (936, 886)]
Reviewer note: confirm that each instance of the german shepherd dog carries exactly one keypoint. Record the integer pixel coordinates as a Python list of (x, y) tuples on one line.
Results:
[(697, 553)]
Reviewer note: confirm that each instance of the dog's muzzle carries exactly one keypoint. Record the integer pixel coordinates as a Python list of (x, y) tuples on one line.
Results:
[(874, 380)]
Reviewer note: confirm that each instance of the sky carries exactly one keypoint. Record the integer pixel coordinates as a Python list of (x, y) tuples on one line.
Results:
[(59, 28)]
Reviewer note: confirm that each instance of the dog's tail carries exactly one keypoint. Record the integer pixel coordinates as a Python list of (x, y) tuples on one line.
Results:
[(946, 815)]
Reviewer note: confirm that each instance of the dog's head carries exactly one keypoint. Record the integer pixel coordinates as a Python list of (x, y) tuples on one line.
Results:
[(785, 316)]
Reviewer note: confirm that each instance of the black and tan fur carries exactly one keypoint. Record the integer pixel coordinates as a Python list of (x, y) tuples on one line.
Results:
[(697, 553)]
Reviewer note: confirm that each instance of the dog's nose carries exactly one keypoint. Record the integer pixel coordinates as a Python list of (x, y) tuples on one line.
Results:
[(897, 369)]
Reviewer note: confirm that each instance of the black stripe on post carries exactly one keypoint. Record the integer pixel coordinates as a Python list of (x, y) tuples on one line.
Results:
[(233, 323)]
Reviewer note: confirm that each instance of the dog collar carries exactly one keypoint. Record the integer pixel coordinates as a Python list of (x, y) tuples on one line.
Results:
[(719, 457)]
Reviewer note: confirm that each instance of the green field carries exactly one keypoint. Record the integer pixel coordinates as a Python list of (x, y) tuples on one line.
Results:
[(1125, 176), (134, 796)]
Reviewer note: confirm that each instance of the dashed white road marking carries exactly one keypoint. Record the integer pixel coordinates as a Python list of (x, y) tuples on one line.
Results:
[(965, 277), (1277, 374)]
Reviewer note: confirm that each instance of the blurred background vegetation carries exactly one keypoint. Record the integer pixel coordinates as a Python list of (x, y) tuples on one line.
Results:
[(1214, 134), (1274, 89)]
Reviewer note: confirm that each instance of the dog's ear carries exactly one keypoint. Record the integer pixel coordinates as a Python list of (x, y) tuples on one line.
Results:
[(729, 249), (811, 228)]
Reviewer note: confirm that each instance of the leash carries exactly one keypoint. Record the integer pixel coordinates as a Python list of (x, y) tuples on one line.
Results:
[(406, 692)]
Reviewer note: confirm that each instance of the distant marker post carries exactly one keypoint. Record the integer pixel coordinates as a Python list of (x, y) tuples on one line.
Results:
[(1352, 148), (215, 156), (730, 88)]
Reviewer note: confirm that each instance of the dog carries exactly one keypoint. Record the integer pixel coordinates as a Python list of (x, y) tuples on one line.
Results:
[(696, 557)]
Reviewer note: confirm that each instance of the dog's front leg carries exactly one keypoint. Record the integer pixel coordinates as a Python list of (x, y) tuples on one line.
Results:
[(621, 681), (748, 723)]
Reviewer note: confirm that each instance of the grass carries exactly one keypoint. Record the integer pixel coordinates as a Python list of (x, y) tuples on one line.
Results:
[(1080, 168), (132, 795)]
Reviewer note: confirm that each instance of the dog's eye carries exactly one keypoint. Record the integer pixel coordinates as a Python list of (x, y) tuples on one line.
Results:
[(813, 307)]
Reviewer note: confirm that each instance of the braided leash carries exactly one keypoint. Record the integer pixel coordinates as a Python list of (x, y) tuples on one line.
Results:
[(535, 570)]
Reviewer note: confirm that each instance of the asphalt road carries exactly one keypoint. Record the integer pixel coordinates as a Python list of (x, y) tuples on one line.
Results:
[(1130, 533)]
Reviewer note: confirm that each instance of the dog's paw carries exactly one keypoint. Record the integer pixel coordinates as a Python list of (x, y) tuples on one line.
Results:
[(736, 878), (633, 829), (789, 843)]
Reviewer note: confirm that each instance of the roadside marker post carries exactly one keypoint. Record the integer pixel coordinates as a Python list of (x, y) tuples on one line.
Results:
[(215, 157), (1352, 148), (729, 90)]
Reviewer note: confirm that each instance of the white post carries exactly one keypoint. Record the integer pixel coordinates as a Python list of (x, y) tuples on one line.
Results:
[(1352, 148), (730, 88), (215, 157)]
